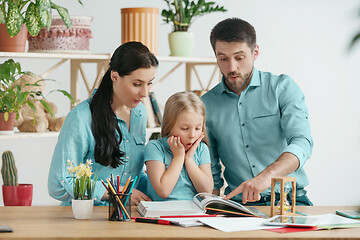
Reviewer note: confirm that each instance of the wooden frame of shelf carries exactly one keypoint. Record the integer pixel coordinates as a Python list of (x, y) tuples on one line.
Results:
[(102, 61)]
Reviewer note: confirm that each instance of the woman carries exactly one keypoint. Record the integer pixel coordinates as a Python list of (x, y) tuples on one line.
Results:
[(109, 127)]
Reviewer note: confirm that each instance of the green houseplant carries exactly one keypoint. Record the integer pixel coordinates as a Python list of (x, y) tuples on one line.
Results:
[(36, 16), (181, 13), (83, 189), (14, 194), (12, 95), (18, 17)]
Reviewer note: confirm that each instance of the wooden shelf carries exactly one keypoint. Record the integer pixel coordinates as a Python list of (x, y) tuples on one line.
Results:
[(23, 135), (96, 56)]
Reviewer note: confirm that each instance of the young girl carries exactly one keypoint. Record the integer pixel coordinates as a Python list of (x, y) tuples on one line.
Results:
[(109, 127), (178, 164)]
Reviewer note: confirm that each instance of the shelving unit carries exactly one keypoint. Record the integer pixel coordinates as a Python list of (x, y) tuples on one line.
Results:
[(102, 60)]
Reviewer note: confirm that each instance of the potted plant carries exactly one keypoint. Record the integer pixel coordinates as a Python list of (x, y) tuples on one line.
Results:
[(13, 97), (182, 13), (83, 189), (36, 16), (14, 194)]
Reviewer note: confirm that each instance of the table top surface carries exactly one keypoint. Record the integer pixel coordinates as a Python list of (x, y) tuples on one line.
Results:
[(54, 222)]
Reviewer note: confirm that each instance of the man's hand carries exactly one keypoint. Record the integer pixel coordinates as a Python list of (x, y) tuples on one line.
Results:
[(251, 189), (137, 196)]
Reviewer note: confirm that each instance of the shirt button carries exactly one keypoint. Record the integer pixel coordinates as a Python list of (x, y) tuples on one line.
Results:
[(125, 174), (253, 166), (62, 181), (243, 124), (127, 157), (247, 146), (126, 140)]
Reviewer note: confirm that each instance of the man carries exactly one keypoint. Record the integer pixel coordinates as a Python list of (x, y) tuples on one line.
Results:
[(257, 122)]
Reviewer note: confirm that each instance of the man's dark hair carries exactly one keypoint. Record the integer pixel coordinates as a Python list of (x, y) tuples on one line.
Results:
[(233, 30)]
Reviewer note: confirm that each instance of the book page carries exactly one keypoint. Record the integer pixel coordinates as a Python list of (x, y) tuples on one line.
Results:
[(204, 200)]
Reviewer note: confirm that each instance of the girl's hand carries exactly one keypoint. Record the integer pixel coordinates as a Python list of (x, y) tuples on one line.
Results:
[(190, 153), (177, 148)]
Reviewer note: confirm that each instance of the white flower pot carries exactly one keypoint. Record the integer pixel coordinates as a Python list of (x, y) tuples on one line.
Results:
[(181, 44), (82, 209)]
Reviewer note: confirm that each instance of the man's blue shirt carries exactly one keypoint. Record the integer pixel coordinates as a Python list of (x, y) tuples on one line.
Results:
[(250, 131)]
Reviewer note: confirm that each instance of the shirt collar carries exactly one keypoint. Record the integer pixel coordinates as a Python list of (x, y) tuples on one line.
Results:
[(254, 82)]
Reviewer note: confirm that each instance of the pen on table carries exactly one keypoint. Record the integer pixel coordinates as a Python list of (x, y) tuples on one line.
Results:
[(118, 184), (192, 216), (112, 180), (118, 199), (151, 220), (130, 190), (126, 184), (105, 185)]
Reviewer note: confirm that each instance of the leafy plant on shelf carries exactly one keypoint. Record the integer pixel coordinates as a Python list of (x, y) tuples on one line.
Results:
[(36, 16), (83, 186), (12, 95), (182, 12)]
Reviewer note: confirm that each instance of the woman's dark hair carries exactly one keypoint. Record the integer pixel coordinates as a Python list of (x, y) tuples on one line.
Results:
[(233, 30), (127, 58)]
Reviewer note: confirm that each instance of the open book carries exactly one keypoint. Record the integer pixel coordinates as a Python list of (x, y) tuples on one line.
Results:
[(202, 203)]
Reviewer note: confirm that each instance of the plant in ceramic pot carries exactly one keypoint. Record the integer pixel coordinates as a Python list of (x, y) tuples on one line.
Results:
[(83, 189), (14, 194), (182, 13), (35, 14), (13, 96)]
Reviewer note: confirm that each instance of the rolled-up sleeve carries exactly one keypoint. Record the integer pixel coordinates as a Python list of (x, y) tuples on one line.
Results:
[(295, 120)]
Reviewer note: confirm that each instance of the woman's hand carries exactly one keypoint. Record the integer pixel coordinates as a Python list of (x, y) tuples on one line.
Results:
[(137, 196)]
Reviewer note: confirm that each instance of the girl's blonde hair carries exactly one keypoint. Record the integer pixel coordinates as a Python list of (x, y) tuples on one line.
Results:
[(176, 104)]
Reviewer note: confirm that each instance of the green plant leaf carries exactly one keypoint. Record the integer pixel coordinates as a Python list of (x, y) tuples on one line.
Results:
[(47, 107), (44, 5), (21, 97), (49, 20), (6, 116), (354, 40), (2, 13), (32, 19), (14, 19), (68, 95), (64, 14), (31, 105)]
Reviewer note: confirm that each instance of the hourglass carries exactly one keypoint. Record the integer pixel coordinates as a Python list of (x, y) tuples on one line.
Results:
[(283, 194)]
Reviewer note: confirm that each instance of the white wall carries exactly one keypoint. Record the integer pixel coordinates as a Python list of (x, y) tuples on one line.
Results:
[(305, 39)]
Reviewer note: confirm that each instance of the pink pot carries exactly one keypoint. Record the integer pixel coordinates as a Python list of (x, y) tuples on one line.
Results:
[(20, 195)]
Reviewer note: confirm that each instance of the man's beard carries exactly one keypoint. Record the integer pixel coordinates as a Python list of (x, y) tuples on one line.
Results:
[(239, 85)]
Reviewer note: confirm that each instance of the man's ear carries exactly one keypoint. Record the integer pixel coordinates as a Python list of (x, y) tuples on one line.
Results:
[(256, 52)]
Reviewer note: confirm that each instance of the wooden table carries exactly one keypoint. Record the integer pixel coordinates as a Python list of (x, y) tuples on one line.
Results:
[(55, 222)]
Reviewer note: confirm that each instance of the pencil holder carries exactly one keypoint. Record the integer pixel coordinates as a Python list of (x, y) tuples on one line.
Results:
[(119, 207)]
